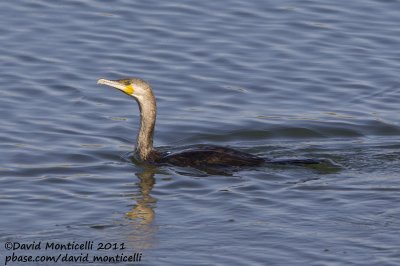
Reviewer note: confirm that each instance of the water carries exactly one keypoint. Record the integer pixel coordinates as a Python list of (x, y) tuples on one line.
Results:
[(281, 79)]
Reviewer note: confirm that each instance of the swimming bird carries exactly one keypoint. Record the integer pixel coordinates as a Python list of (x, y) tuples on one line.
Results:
[(201, 156)]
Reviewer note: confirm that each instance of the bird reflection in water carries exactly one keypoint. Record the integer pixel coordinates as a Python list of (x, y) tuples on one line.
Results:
[(142, 214)]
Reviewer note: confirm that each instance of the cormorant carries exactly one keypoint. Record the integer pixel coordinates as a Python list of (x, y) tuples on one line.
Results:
[(201, 156)]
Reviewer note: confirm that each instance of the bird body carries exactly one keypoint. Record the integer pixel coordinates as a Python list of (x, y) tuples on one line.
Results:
[(211, 156)]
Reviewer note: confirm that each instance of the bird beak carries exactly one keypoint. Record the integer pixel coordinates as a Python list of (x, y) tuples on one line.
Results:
[(112, 83), (128, 89)]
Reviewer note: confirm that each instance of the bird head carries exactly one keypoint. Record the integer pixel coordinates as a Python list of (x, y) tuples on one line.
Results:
[(134, 87)]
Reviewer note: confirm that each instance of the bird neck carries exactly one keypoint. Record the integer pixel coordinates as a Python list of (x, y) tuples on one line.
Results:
[(148, 113)]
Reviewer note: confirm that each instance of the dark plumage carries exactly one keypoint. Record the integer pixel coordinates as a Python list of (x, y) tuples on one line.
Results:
[(211, 156)]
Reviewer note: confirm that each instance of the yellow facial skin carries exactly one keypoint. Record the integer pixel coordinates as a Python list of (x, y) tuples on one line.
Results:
[(129, 89)]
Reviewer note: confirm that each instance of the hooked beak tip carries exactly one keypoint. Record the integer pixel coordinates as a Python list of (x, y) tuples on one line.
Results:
[(101, 81)]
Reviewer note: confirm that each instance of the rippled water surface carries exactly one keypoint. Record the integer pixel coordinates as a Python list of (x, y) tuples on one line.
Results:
[(279, 79)]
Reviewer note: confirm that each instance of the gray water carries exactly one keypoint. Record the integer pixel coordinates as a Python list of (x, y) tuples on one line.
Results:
[(279, 79)]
